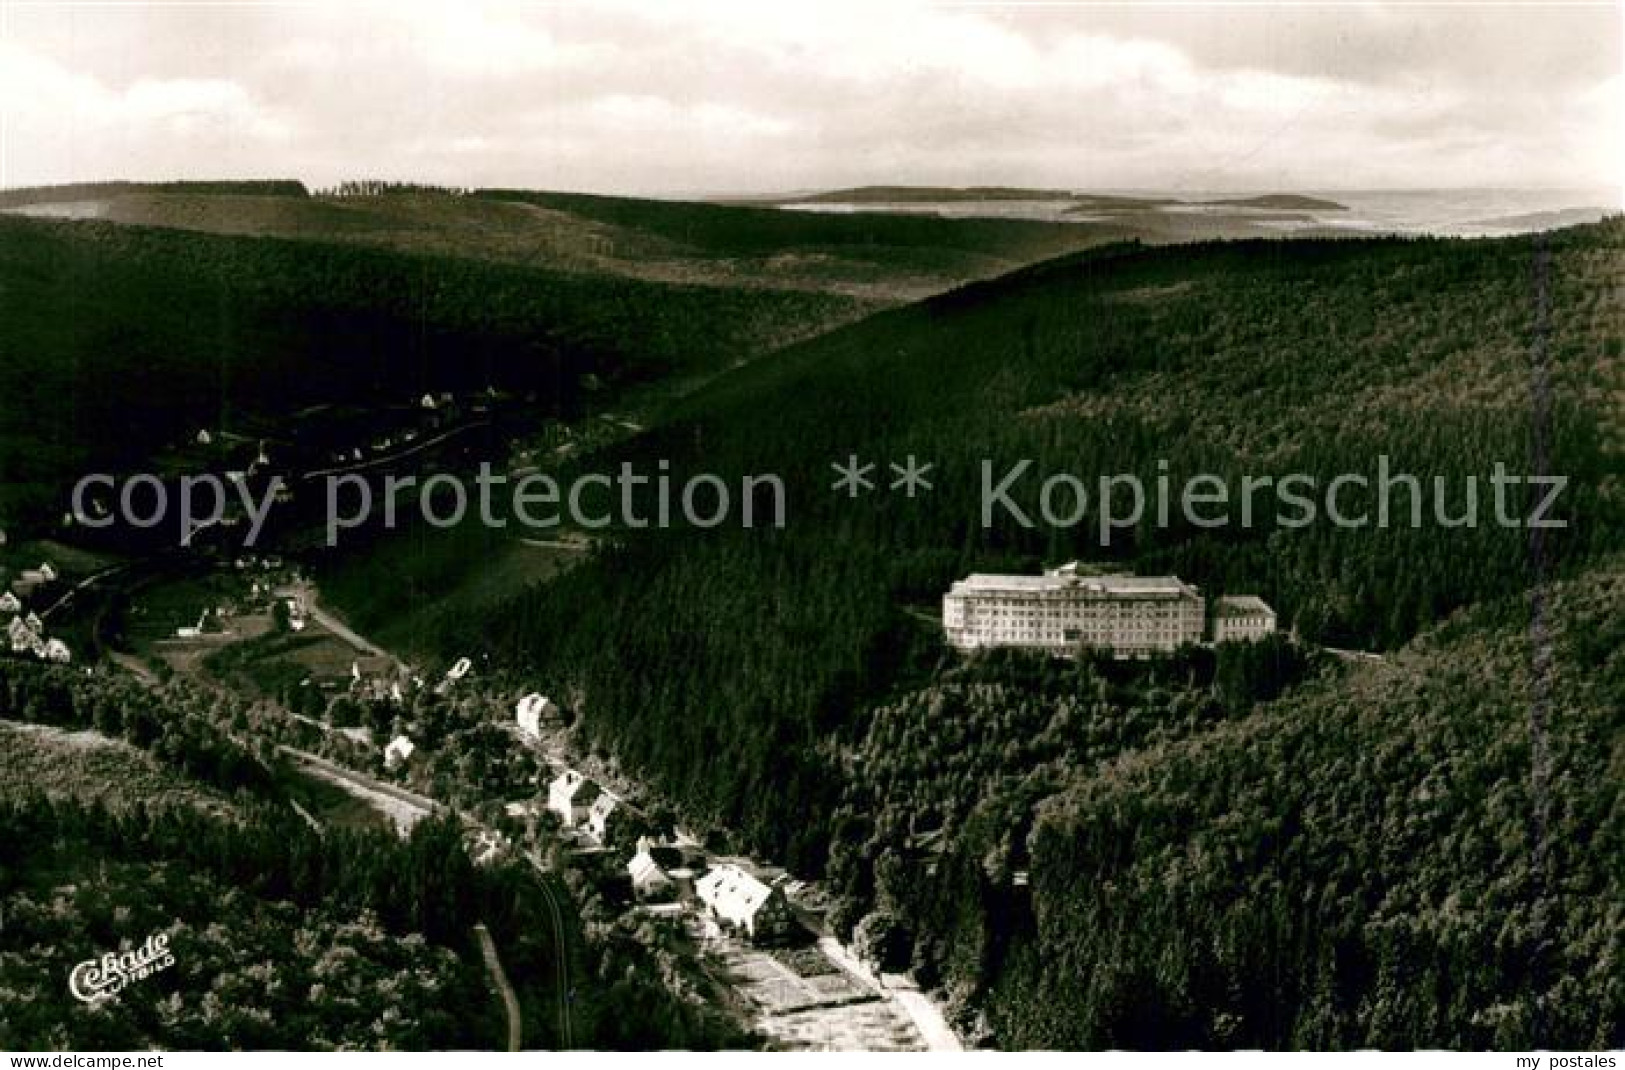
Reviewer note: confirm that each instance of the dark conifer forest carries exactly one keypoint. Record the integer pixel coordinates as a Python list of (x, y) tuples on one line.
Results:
[(1316, 854)]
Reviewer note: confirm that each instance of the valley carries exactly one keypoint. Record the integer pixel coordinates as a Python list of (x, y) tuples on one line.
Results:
[(1142, 837)]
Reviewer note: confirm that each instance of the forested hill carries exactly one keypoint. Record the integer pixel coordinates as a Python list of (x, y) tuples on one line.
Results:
[(760, 653), (882, 259), (1424, 853), (1415, 853), (159, 332), (1100, 856)]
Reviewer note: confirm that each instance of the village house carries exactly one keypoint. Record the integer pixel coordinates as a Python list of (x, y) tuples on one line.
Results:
[(487, 847), (533, 712), (651, 871), (372, 677), (399, 750), (523, 809), (10, 603), (571, 796), (57, 650), (459, 669), (30, 580), (1242, 618), (611, 820), (743, 903), (23, 639)]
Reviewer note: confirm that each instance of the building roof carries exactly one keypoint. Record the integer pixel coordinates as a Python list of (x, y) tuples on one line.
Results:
[(573, 786), (1064, 579), (535, 703), (1242, 605), (645, 871), (733, 891)]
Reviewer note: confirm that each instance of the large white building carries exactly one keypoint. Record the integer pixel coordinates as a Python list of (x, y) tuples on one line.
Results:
[(1063, 611)]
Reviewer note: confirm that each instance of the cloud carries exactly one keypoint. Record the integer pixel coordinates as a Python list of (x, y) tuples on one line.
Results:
[(635, 97)]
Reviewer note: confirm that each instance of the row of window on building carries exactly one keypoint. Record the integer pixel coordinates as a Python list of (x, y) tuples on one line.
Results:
[(1064, 610)]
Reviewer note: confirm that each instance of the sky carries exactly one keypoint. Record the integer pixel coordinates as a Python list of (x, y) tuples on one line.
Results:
[(733, 98)]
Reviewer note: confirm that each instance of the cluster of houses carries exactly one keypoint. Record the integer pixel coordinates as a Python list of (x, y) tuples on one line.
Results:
[(581, 803), (380, 678), (25, 632), (733, 897), (400, 426)]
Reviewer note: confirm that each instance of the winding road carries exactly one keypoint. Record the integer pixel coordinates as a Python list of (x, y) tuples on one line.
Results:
[(499, 979), (562, 958)]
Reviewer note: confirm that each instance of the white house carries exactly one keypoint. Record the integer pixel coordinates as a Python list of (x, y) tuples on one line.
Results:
[(533, 711), (609, 815), (650, 881), (34, 577), (571, 796), (1243, 618), (57, 650), (22, 637), (399, 750), (522, 808), (10, 603), (742, 902)]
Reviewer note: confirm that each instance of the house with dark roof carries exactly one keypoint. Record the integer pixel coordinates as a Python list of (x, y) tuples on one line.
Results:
[(571, 796)]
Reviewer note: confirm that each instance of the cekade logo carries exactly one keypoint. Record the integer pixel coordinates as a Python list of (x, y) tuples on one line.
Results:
[(98, 979)]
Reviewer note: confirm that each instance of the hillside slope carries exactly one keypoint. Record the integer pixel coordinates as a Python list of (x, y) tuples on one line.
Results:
[(764, 648), (1415, 853), (878, 259), (160, 332)]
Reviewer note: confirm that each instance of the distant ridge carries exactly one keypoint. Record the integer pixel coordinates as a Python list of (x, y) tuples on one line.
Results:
[(929, 195), (1094, 202), (1281, 200), (1083, 202), (72, 191)]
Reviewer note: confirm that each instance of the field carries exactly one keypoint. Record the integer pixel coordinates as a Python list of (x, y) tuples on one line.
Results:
[(338, 803), (804, 1002), (88, 766), (399, 586)]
